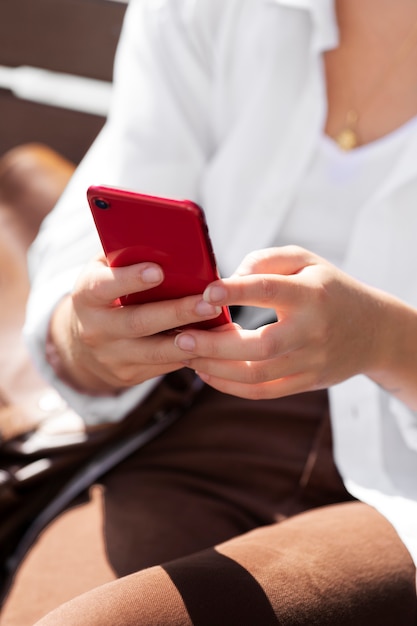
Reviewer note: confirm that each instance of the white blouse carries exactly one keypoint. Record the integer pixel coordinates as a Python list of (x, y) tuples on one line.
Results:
[(336, 185)]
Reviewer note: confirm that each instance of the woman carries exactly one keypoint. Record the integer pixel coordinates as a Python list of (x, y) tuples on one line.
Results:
[(237, 513)]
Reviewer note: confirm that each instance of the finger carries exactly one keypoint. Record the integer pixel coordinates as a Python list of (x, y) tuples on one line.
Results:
[(284, 260), (261, 290), (144, 320), (254, 372), (262, 344), (101, 285), (156, 350), (263, 391), (127, 374), (125, 363)]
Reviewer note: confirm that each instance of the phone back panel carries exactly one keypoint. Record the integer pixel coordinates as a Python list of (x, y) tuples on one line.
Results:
[(173, 233)]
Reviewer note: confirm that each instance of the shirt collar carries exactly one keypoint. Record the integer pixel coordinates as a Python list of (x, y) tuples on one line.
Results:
[(326, 34)]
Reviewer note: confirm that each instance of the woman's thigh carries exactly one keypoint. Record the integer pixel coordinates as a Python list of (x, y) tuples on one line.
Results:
[(227, 467), (341, 564), (68, 559)]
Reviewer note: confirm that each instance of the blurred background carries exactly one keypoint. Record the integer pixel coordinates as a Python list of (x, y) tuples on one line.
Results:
[(56, 62)]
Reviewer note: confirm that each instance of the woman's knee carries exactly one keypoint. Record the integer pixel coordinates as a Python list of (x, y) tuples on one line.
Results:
[(32, 177), (146, 598), (341, 564)]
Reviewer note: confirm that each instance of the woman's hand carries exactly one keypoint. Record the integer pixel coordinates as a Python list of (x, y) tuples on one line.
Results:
[(330, 327), (104, 347)]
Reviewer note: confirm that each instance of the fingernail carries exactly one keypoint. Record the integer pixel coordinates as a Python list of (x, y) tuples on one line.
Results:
[(205, 308), (185, 342), (204, 377), (151, 275), (214, 293)]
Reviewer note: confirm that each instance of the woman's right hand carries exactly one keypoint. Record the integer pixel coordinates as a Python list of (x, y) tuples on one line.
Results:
[(103, 347)]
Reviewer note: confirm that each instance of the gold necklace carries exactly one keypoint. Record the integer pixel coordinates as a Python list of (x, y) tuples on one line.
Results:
[(348, 137)]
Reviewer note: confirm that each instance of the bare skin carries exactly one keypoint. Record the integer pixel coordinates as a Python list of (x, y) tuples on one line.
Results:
[(331, 326), (31, 180), (369, 71), (105, 347)]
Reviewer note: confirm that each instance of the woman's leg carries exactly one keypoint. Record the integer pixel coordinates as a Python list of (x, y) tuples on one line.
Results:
[(226, 467), (342, 564), (32, 177), (61, 565)]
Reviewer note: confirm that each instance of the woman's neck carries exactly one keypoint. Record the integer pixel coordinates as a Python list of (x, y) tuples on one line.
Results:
[(372, 72)]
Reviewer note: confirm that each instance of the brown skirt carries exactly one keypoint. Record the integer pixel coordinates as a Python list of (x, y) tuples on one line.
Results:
[(234, 516)]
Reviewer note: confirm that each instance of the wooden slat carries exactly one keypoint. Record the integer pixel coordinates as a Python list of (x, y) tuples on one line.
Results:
[(74, 36), (69, 132)]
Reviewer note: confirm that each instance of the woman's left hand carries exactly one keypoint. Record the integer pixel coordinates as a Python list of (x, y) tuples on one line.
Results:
[(327, 328)]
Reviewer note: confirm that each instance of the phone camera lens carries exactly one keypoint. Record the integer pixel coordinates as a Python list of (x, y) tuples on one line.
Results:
[(101, 204)]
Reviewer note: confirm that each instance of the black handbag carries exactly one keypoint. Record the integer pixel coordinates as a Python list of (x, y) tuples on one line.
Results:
[(42, 471)]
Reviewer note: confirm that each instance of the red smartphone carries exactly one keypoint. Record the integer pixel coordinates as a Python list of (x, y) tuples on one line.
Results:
[(134, 227)]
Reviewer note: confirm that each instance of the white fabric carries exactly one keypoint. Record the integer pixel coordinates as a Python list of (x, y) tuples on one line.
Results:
[(335, 186), (224, 101)]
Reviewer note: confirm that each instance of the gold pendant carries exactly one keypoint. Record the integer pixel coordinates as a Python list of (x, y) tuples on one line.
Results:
[(347, 139)]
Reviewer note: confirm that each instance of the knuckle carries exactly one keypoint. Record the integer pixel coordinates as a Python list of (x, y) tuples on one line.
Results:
[(296, 250), (321, 334), (106, 363), (88, 336), (136, 323), (123, 371), (267, 345), (77, 297), (267, 350), (181, 315), (214, 348), (267, 291), (321, 293), (253, 258), (126, 376), (255, 373), (304, 256), (90, 284), (158, 356)]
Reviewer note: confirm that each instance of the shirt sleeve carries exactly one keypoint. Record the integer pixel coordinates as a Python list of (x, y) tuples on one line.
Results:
[(157, 139)]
